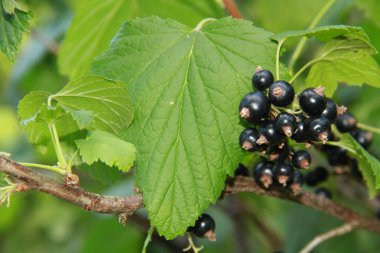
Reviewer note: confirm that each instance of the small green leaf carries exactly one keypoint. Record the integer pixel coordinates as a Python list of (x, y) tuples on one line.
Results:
[(325, 33), (96, 103), (108, 148), (344, 61), (11, 28), (186, 84), (10, 6)]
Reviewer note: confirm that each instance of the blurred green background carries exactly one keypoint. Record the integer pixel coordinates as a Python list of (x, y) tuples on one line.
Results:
[(37, 223)]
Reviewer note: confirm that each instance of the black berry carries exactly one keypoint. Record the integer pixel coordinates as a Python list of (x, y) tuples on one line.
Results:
[(254, 107), (312, 101), (263, 174), (248, 139), (331, 111), (204, 227), (269, 134), (262, 79), (281, 93), (354, 167), (316, 176), (241, 170), (278, 153), (364, 138), (378, 214), (318, 128), (285, 123), (300, 134), (346, 122), (301, 159), (337, 156), (297, 181), (283, 173), (323, 192)]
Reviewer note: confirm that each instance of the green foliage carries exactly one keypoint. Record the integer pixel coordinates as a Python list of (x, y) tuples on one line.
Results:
[(97, 21), (371, 9), (186, 85), (10, 6), (344, 61), (12, 25), (106, 147)]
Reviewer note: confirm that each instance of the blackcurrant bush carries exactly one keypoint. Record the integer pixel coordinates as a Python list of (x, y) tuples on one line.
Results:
[(263, 174), (241, 170), (248, 139), (313, 101), (281, 93), (269, 134), (300, 134), (204, 227), (364, 138), (262, 79), (285, 123), (318, 128), (316, 176), (323, 192), (283, 173), (301, 159), (278, 153), (331, 111), (254, 107), (297, 181), (346, 122)]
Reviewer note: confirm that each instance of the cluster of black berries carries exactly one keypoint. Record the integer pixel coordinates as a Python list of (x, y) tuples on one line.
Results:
[(204, 227)]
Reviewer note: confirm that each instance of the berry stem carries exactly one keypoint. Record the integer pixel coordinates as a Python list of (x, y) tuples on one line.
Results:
[(299, 72), (301, 44), (278, 58), (192, 245), (57, 147), (368, 128), (147, 239), (46, 167), (202, 23)]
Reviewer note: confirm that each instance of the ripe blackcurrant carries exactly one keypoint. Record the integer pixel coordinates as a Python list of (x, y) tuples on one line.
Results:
[(337, 156), (281, 93), (297, 181), (354, 167), (378, 214), (278, 153), (285, 123), (269, 134), (248, 139), (323, 192), (241, 170), (346, 122), (364, 138), (283, 173), (316, 176), (262, 79), (318, 128), (254, 107), (300, 134), (204, 227), (331, 111), (313, 101), (263, 174), (301, 159)]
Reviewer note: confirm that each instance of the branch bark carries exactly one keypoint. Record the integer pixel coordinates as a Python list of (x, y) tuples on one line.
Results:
[(232, 9)]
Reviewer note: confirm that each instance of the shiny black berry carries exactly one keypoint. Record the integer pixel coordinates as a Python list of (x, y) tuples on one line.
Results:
[(364, 138), (283, 173), (204, 227), (331, 111), (263, 174), (254, 107), (281, 93), (346, 122), (323, 192), (248, 139), (241, 170), (269, 134), (278, 153), (300, 134), (318, 128), (301, 159), (262, 79), (316, 176), (285, 123), (312, 101), (354, 168), (297, 181), (338, 156)]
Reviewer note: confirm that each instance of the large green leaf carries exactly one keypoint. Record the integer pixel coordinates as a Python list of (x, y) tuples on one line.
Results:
[(344, 61), (325, 33), (186, 85), (11, 28), (108, 148), (97, 21)]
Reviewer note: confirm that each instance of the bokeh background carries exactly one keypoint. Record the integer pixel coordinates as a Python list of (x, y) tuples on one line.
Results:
[(36, 222)]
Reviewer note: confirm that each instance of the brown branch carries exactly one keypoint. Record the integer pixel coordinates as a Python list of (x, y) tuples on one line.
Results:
[(232, 9)]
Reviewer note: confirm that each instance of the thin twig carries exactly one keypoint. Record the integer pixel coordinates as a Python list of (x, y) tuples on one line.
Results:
[(232, 9), (346, 228)]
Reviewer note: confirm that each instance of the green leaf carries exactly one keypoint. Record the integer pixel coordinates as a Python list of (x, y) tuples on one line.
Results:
[(97, 21), (10, 6), (368, 164), (344, 61), (186, 84), (11, 28), (96, 103), (102, 173), (108, 148), (325, 33)]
